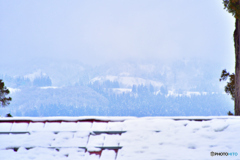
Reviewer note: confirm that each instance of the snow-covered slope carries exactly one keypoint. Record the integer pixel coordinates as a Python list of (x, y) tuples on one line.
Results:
[(126, 81), (122, 88)]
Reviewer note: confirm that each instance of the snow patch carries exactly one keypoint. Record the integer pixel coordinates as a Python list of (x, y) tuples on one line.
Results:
[(14, 90), (121, 90), (189, 94), (127, 82), (34, 75), (186, 93), (157, 92), (173, 93), (49, 87)]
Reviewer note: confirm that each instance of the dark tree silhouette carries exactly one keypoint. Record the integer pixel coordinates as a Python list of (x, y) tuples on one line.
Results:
[(3, 93), (230, 87), (233, 7)]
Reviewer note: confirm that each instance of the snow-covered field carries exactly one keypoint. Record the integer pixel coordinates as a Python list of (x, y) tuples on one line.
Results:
[(119, 138)]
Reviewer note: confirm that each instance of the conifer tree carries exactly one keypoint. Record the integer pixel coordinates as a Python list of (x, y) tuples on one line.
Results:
[(3, 93), (230, 87), (233, 7)]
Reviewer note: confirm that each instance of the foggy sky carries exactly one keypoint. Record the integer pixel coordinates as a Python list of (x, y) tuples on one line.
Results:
[(95, 32)]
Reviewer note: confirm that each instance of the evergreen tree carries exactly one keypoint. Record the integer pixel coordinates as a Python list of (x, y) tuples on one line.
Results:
[(233, 7), (134, 89), (230, 87), (42, 81), (3, 93)]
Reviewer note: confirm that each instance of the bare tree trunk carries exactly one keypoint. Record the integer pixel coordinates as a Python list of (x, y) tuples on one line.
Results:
[(237, 67)]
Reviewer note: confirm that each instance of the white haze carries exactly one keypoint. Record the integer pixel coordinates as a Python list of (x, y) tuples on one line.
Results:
[(96, 32)]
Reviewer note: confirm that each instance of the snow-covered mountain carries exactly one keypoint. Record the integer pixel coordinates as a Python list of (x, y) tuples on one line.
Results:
[(121, 88)]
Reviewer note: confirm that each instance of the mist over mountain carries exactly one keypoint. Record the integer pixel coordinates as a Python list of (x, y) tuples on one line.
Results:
[(122, 88)]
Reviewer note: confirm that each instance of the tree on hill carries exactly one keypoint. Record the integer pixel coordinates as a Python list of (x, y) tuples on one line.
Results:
[(233, 7), (42, 81), (3, 93)]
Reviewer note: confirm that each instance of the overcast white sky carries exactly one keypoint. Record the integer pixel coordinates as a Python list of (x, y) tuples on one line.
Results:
[(95, 32)]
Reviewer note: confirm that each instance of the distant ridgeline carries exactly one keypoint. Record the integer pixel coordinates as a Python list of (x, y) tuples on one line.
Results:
[(36, 97), (186, 89), (20, 81)]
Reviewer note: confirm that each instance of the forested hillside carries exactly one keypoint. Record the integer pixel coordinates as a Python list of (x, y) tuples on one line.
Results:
[(124, 89)]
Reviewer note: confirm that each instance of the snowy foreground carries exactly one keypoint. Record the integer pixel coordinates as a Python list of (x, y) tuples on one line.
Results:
[(119, 138)]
